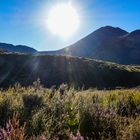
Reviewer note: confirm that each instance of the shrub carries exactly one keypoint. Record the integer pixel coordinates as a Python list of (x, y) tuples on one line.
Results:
[(13, 130), (32, 102), (127, 107), (132, 132), (5, 111)]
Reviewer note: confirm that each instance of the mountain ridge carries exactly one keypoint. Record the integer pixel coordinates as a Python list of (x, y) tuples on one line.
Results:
[(7, 47), (106, 43)]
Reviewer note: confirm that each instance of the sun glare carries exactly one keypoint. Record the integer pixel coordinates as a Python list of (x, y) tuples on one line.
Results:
[(63, 20)]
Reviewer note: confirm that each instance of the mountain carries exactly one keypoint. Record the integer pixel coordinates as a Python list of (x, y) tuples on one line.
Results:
[(54, 70), (16, 49), (107, 43)]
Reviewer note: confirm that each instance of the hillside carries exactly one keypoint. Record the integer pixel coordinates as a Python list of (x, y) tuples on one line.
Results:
[(16, 49), (54, 70), (107, 43)]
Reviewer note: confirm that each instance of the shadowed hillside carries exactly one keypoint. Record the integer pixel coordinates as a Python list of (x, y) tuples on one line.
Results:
[(54, 70)]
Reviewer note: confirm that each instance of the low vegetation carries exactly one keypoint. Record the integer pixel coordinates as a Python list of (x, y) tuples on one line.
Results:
[(37, 113)]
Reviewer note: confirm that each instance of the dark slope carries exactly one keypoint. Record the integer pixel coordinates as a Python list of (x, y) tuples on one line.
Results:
[(54, 70), (87, 45), (17, 48), (124, 50), (107, 43)]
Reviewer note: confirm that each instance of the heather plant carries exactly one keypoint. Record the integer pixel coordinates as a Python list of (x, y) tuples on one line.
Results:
[(13, 130)]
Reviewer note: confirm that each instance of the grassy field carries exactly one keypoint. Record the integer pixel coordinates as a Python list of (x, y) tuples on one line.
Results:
[(37, 113)]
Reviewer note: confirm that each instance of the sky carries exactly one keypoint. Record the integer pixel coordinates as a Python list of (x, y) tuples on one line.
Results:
[(24, 21)]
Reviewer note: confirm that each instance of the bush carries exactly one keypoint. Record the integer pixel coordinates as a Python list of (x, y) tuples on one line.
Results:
[(127, 107), (13, 130), (132, 132), (5, 111), (32, 102)]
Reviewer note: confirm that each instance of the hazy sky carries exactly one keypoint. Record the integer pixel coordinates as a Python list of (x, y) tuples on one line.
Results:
[(24, 21)]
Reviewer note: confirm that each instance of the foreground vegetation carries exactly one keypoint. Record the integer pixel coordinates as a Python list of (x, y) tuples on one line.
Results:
[(37, 113)]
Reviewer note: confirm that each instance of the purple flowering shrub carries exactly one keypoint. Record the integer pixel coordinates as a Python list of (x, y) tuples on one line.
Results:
[(13, 130)]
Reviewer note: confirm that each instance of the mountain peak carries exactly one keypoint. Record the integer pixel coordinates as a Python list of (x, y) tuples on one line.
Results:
[(110, 29), (135, 33), (134, 36)]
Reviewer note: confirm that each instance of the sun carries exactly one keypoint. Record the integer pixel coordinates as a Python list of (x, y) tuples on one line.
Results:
[(63, 20)]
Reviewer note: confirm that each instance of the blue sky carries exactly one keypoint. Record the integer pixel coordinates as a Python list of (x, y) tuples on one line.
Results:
[(23, 21)]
